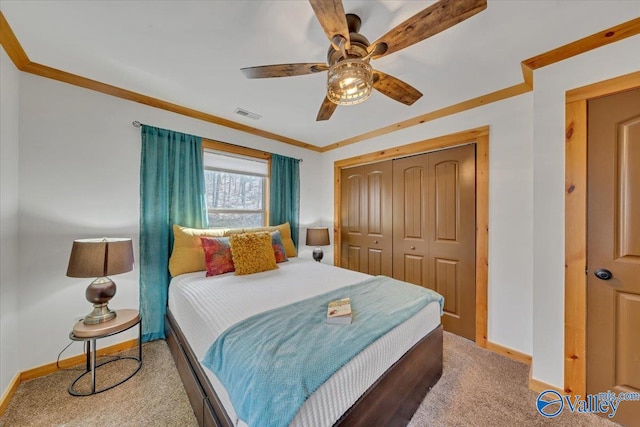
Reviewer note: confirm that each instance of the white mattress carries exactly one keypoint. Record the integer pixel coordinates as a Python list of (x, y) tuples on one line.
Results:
[(206, 306)]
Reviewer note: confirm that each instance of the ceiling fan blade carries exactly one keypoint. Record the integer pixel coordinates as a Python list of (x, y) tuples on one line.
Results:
[(395, 89), (432, 20), (330, 14), (283, 70), (326, 110)]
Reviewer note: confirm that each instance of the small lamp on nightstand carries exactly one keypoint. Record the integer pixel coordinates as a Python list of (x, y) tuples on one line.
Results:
[(100, 258), (317, 237)]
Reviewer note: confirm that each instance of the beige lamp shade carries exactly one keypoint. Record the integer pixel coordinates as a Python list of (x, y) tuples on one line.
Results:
[(318, 236), (100, 257)]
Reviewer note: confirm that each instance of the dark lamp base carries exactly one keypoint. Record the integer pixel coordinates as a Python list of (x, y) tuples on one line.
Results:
[(99, 293), (318, 254)]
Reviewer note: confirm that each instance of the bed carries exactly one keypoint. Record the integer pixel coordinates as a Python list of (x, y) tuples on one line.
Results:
[(382, 385)]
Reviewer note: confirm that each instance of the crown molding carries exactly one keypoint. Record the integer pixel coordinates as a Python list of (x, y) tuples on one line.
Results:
[(611, 35), (23, 63)]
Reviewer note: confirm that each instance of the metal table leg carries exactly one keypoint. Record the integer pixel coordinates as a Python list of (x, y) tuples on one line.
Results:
[(93, 366)]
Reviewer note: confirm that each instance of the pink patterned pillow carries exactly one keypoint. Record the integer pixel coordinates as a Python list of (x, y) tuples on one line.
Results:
[(278, 247), (217, 255)]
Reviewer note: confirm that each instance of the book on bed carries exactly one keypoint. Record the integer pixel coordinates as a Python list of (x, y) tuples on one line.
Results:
[(339, 312)]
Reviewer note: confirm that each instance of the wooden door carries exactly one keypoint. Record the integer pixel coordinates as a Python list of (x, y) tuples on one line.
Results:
[(366, 222), (410, 228), (434, 230), (613, 246)]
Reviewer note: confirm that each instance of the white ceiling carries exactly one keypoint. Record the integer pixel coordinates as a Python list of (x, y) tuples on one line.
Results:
[(190, 53)]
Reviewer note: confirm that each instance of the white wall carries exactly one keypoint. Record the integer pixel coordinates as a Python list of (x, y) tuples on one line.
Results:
[(510, 206), (79, 174), (9, 284), (551, 83)]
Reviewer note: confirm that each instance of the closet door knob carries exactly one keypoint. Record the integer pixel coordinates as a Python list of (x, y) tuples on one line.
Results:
[(413, 247)]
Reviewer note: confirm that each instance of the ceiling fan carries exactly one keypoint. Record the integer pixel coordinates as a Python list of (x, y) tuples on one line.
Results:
[(350, 78)]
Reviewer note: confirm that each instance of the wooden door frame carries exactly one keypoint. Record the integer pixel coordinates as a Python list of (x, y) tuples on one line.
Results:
[(575, 226), (478, 136)]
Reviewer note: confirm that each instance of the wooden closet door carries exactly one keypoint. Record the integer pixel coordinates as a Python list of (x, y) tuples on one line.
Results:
[(366, 218), (410, 228), (434, 230), (452, 224)]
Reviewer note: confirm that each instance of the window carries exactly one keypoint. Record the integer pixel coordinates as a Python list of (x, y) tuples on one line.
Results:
[(236, 190)]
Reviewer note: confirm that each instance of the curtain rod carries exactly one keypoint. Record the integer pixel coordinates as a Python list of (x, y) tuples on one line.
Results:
[(137, 124)]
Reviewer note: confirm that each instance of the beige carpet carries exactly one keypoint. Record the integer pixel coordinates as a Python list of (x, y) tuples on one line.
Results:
[(153, 397), (482, 388), (478, 388)]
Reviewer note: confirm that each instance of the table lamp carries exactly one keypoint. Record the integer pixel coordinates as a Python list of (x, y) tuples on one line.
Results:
[(317, 237), (100, 258)]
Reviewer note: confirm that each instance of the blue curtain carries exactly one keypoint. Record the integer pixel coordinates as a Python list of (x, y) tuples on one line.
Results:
[(284, 193), (172, 191)]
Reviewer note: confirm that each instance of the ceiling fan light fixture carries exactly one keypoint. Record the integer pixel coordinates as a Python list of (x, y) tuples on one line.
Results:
[(349, 81)]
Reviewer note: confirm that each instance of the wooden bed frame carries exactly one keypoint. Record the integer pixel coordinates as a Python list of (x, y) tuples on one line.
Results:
[(390, 401)]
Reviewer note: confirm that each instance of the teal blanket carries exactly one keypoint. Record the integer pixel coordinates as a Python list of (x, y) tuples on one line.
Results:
[(272, 362)]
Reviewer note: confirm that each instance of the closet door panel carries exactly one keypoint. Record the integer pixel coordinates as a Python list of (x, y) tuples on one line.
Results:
[(375, 196), (354, 204), (353, 207), (375, 262), (353, 258), (414, 269), (434, 229), (410, 204), (366, 216), (447, 284), (452, 229), (379, 220), (412, 199), (446, 195)]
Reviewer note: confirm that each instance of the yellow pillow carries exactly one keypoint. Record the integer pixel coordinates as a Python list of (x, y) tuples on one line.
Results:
[(252, 253), (285, 234), (187, 255)]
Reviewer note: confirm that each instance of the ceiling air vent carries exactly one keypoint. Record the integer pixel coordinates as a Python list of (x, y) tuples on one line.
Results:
[(249, 114)]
